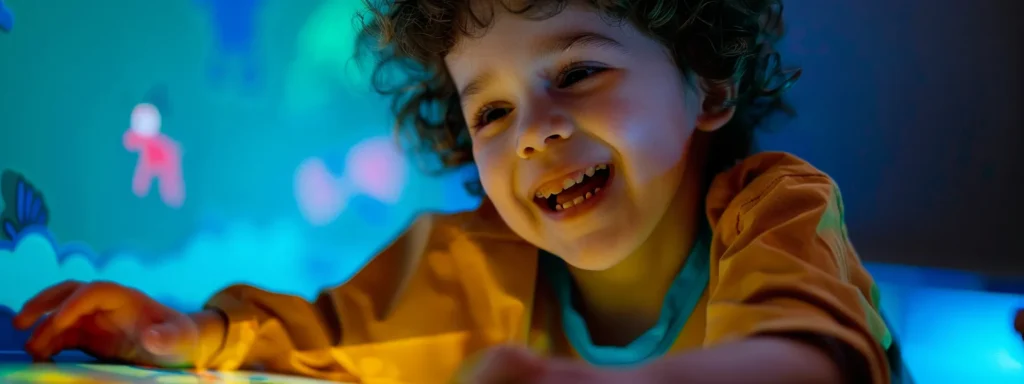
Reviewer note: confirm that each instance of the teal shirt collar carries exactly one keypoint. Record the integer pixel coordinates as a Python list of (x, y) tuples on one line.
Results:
[(683, 296)]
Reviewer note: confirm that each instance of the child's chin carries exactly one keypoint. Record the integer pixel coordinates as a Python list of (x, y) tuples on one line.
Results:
[(593, 261), (598, 250)]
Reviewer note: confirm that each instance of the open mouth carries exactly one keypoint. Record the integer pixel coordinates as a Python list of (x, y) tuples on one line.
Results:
[(574, 190)]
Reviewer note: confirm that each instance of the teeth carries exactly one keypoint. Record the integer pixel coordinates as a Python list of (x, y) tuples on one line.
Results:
[(572, 180), (578, 177), (568, 183), (577, 201)]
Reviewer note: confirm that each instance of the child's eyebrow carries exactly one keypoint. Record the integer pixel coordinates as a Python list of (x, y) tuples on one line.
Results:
[(550, 45), (475, 86), (575, 40)]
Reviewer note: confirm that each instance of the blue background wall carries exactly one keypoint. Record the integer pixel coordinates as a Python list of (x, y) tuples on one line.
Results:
[(913, 109)]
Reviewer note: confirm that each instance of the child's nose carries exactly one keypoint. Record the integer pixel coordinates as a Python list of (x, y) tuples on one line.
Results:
[(528, 150), (538, 137)]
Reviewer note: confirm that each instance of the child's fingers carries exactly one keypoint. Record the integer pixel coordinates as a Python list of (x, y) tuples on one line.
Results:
[(507, 364), (40, 340), (47, 340), (85, 336), (88, 299), (66, 340), (562, 371), (43, 303)]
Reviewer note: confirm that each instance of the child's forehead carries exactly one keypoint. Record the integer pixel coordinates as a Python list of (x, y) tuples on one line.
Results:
[(542, 30)]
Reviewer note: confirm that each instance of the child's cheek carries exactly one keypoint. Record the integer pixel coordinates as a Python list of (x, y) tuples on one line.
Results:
[(609, 104), (495, 162)]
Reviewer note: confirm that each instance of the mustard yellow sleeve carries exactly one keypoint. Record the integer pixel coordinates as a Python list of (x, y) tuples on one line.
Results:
[(288, 334), (782, 265), (276, 332)]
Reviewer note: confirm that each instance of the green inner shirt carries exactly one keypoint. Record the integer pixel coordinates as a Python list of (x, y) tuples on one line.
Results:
[(683, 296)]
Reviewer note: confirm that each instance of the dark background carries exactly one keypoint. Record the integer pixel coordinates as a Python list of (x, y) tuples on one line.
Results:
[(915, 108)]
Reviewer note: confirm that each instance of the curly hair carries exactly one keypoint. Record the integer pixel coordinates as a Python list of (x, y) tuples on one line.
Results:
[(728, 44)]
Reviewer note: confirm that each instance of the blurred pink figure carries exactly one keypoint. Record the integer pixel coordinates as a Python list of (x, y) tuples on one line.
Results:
[(159, 156), (321, 196), (377, 168)]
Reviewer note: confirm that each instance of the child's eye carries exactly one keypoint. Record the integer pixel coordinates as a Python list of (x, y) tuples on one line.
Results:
[(490, 114), (575, 74)]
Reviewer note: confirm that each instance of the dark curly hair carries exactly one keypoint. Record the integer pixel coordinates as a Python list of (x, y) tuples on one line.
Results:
[(726, 43)]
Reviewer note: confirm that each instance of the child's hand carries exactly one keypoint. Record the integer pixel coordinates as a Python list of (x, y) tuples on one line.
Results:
[(108, 321), (513, 365)]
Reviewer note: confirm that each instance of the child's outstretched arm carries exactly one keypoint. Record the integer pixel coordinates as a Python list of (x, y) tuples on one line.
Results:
[(755, 360), (243, 327), (790, 302)]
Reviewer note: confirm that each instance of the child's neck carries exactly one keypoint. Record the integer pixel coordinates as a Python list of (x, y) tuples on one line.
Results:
[(622, 302)]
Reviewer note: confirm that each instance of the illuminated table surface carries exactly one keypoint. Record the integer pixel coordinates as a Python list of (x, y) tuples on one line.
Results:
[(14, 368)]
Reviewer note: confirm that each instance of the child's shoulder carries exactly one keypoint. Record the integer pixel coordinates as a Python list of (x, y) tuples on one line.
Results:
[(769, 183), (761, 170)]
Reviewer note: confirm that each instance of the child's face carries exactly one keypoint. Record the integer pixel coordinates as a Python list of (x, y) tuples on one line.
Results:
[(571, 98)]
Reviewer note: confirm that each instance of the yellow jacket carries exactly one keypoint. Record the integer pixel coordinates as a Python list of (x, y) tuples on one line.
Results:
[(453, 285)]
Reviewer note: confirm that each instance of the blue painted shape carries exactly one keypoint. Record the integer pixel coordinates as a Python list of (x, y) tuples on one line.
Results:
[(23, 205), (234, 23), (6, 18), (159, 97)]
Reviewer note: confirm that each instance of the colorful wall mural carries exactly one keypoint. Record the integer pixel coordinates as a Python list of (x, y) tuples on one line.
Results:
[(179, 147)]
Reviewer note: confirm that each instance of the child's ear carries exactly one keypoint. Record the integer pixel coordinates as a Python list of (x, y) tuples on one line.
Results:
[(717, 106)]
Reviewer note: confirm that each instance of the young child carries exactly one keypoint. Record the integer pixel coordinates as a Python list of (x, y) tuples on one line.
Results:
[(627, 235)]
